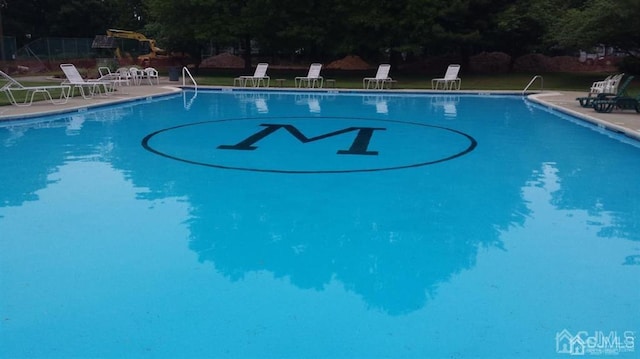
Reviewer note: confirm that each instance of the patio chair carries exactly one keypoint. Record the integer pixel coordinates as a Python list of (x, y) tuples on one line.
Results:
[(312, 79), (610, 85), (608, 102), (382, 77), (259, 77), (104, 71), (137, 75), (123, 73), (75, 80), (114, 77), (450, 79), (13, 87), (152, 75)]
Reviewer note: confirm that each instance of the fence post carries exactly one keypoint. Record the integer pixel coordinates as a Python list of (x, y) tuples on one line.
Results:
[(2, 57)]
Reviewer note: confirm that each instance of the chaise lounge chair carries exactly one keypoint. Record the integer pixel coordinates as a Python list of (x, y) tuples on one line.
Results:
[(382, 77), (13, 87), (312, 79), (259, 77), (610, 85), (115, 78), (450, 80), (608, 102), (75, 79)]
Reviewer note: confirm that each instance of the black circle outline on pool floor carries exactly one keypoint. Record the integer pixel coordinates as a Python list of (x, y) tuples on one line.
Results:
[(145, 144)]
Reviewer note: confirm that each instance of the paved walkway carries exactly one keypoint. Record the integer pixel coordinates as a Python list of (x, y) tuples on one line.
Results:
[(123, 94), (627, 122)]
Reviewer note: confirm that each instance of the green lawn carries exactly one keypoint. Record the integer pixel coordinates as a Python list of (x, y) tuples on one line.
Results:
[(4, 100), (515, 82)]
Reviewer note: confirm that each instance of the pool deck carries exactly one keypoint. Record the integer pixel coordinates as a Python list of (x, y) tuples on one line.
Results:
[(625, 122)]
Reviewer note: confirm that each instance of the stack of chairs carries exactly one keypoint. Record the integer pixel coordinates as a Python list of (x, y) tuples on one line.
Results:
[(610, 85)]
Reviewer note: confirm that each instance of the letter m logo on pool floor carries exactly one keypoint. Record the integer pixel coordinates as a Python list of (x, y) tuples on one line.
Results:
[(359, 146)]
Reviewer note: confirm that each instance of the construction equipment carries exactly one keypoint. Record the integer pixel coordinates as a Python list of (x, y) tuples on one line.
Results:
[(128, 44)]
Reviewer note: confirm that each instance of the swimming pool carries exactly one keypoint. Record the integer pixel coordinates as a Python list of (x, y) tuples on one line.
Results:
[(307, 224)]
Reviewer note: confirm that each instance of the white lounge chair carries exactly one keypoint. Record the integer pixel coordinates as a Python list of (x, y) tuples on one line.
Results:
[(312, 79), (450, 80), (12, 87), (105, 71), (382, 77), (75, 80), (259, 77), (114, 77)]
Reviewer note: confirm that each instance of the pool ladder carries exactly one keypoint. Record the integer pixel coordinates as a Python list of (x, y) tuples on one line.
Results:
[(531, 83), (188, 104)]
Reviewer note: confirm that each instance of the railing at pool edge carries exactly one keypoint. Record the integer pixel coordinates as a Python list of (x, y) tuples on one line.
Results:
[(187, 105), (531, 83)]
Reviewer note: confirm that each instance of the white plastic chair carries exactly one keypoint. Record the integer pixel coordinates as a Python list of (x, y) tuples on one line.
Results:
[(114, 77), (259, 77), (123, 74), (382, 77), (75, 79), (450, 80), (313, 77), (151, 75), (136, 75), (611, 86), (30, 92), (104, 71)]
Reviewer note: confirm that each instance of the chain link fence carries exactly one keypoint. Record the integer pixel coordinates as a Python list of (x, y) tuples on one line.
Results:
[(57, 48)]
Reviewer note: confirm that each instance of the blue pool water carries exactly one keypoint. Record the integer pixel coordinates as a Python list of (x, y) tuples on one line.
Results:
[(318, 225)]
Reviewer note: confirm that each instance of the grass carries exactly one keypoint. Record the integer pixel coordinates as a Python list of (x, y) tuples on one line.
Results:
[(512, 81), (20, 96)]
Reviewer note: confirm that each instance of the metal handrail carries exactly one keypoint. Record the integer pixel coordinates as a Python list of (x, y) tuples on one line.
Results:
[(188, 104), (186, 70), (532, 81)]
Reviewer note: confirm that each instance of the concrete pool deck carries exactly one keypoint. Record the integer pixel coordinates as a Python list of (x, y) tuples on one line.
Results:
[(625, 122)]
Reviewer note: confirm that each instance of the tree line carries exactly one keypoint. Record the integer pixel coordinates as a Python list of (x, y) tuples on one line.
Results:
[(328, 29)]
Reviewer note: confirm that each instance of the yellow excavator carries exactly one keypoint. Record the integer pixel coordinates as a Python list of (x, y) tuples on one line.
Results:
[(145, 48)]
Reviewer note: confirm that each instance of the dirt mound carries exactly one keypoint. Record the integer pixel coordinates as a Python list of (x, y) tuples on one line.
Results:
[(224, 60), (350, 62)]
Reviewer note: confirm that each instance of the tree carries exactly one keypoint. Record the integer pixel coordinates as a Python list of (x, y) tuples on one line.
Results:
[(188, 25), (610, 22), (523, 26), (70, 18), (32, 19), (129, 14)]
